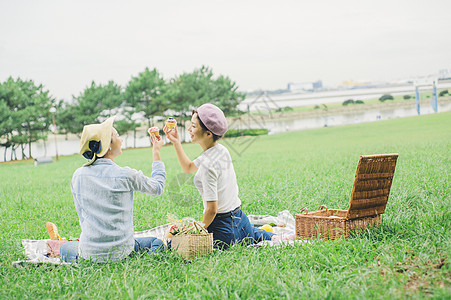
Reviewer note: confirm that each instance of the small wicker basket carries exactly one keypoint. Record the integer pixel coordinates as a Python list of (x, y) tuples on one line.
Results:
[(369, 198), (192, 245)]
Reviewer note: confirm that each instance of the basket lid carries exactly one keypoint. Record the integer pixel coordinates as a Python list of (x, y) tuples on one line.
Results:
[(372, 185)]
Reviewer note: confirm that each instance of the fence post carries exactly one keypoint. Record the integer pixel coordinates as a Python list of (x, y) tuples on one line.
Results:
[(417, 99)]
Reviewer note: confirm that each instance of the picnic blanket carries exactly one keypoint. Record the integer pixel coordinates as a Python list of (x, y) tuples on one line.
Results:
[(39, 251)]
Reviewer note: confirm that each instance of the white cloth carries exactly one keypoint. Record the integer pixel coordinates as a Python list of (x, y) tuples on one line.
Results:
[(285, 222), (37, 251), (284, 229), (216, 178), (160, 232)]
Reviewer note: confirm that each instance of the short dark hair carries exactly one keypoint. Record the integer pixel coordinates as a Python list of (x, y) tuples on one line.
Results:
[(204, 128)]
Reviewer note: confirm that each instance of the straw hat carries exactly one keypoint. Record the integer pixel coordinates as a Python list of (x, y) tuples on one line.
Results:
[(95, 140)]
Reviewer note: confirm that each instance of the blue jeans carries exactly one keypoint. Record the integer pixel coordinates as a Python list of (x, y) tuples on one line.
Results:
[(69, 250), (148, 244), (231, 228)]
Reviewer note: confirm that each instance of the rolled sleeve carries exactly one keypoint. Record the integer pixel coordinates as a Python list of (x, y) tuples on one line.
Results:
[(198, 161), (153, 185)]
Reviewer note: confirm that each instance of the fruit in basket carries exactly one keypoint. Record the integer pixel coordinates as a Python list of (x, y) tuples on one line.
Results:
[(267, 228), (174, 230)]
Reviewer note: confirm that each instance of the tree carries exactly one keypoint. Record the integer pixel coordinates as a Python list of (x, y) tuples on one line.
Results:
[(65, 118), (226, 95), (128, 123), (443, 93), (5, 124), (347, 102), (29, 117), (191, 90), (144, 94), (188, 91), (386, 97), (92, 105), (25, 107)]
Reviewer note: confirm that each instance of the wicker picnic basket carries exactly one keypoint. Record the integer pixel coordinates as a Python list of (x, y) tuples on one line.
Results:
[(192, 245), (369, 197)]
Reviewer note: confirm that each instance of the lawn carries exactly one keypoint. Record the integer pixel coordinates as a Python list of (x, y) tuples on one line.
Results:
[(409, 255)]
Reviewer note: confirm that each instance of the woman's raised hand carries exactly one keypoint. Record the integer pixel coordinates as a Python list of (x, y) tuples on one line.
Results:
[(172, 135), (157, 142)]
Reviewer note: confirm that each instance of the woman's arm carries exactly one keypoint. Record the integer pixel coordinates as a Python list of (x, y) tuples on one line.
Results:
[(157, 143), (153, 185), (187, 165), (210, 213)]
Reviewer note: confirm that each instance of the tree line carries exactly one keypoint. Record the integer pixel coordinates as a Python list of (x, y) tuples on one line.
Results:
[(27, 109)]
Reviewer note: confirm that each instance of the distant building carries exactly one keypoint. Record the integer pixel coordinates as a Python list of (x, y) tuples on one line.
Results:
[(318, 85), (304, 86), (444, 74), (351, 84)]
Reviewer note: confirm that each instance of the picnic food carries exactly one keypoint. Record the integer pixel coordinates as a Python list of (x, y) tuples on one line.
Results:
[(55, 246), (184, 226), (53, 231), (267, 228), (171, 122), (154, 130)]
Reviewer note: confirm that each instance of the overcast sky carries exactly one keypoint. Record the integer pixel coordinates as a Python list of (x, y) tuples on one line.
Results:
[(259, 44)]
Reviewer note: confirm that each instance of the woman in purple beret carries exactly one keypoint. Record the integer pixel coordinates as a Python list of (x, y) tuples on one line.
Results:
[(216, 179)]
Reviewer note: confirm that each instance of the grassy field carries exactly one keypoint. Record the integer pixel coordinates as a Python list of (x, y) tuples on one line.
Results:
[(408, 256)]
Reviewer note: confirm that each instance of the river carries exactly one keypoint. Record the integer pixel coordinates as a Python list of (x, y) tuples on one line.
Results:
[(275, 125)]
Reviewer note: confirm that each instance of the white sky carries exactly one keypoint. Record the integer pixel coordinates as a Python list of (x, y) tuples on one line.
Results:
[(259, 44)]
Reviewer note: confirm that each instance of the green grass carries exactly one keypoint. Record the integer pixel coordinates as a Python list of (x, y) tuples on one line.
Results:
[(409, 255)]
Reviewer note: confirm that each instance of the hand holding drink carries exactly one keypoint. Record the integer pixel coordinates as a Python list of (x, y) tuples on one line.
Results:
[(154, 130), (170, 129), (157, 142), (171, 123)]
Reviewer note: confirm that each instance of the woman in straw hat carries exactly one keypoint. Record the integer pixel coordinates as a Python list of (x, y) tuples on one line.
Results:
[(215, 179), (103, 196)]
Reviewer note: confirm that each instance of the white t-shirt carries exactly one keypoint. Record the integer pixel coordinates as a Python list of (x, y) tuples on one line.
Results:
[(216, 178)]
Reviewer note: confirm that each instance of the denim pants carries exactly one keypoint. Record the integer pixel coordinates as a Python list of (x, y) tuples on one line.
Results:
[(234, 227), (69, 250)]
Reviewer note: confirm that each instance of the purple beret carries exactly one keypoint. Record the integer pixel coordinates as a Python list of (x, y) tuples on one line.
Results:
[(213, 118)]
